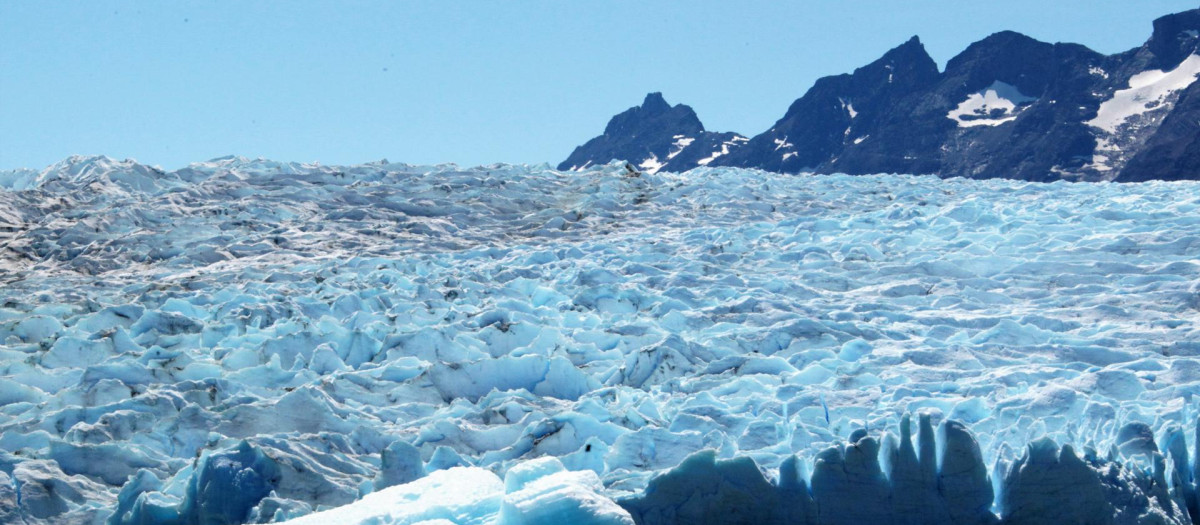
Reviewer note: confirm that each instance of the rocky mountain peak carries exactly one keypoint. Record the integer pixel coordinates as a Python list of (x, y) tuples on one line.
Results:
[(655, 103), (1007, 106), (1175, 37)]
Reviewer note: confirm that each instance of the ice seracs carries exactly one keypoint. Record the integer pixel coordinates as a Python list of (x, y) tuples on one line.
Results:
[(307, 336)]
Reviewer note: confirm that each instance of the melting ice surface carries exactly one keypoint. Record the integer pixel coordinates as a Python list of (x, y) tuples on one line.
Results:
[(252, 341)]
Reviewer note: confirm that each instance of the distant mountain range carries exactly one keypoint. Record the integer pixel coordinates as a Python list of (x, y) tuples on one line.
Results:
[(1008, 106)]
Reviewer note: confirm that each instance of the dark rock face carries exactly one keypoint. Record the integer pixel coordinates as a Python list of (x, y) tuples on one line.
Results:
[(1008, 106), (839, 110), (654, 136), (1174, 38), (1173, 152)]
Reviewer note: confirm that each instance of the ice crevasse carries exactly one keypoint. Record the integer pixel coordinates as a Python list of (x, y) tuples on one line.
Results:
[(248, 341)]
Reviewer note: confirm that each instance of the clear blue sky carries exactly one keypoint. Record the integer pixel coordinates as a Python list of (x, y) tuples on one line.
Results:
[(168, 83)]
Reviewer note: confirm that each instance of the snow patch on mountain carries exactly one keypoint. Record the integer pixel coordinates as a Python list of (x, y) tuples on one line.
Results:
[(849, 107), (678, 146), (994, 105), (725, 148), (1147, 91)]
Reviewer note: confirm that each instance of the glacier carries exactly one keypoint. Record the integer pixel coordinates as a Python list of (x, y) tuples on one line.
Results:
[(252, 341)]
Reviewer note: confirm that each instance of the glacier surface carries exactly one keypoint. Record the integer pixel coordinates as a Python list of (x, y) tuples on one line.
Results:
[(254, 341)]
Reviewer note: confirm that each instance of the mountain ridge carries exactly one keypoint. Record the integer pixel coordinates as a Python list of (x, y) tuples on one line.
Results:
[(1007, 106)]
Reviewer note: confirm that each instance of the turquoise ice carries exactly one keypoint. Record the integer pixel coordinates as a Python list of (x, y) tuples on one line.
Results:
[(304, 337)]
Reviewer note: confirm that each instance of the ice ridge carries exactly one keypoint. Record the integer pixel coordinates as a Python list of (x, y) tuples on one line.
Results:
[(323, 336), (872, 480), (885, 479)]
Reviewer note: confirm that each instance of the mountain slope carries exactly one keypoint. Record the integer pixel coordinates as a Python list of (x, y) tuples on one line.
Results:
[(1008, 106), (654, 136)]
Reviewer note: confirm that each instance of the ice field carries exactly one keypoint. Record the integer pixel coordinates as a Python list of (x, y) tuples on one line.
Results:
[(254, 341)]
